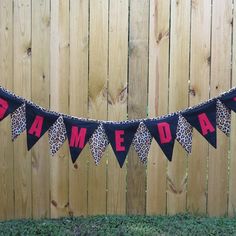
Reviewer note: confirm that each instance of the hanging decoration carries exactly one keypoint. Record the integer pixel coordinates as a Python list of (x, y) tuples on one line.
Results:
[(142, 142), (98, 143), (164, 132), (36, 121), (203, 119), (120, 136)]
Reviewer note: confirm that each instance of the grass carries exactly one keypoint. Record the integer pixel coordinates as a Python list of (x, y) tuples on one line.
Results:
[(184, 224)]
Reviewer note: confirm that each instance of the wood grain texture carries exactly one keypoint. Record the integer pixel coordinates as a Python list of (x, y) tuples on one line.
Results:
[(6, 80), (199, 91), (59, 89), (109, 59), (117, 99), (178, 99), (158, 101), (40, 95), (78, 175), (137, 100), (22, 86), (220, 81), (98, 70), (232, 163)]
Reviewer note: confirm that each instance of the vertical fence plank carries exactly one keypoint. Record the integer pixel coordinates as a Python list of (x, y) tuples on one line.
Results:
[(98, 69), (79, 100), (178, 99), (199, 88), (220, 81), (158, 101), (59, 72), (40, 95), (137, 100), (6, 80), (117, 99), (22, 86), (232, 176)]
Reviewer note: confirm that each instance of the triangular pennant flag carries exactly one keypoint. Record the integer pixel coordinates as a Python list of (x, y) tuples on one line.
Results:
[(142, 142), (56, 135), (78, 133), (18, 122), (229, 99), (8, 104), (223, 117), (98, 143), (164, 132), (203, 118), (38, 122), (120, 136), (184, 134)]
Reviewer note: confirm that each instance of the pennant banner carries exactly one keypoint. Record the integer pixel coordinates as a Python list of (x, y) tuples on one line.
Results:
[(56, 135), (120, 137), (78, 133), (164, 132), (36, 121), (142, 142), (8, 104), (18, 121), (184, 134), (98, 143), (223, 117)]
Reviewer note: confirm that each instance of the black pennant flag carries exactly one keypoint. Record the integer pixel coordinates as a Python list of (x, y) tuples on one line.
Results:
[(164, 132), (8, 104), (120, 137), (203, 118), (78, 133), (38, 122), (229, 99)]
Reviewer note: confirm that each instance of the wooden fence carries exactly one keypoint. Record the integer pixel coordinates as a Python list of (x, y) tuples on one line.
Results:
[(109, 59)]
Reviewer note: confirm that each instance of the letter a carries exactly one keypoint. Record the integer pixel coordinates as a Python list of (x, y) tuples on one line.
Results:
[(36, 128), (3, 107), (205, 124)]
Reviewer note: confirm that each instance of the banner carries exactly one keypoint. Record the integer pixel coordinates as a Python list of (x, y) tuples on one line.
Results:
[(120, 136), (164, 132), (98, 134)]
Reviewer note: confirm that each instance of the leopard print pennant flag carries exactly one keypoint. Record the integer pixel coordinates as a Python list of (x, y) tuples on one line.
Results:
[(18, 122), (98, 143), (184, 134), (223, 117), (57, 135), (142, 142)]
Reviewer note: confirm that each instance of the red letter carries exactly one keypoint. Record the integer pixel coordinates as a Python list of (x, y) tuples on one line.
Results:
[(37, 126), (77, 137), (205, 124), (119, 140), (164, 132), (3, 107), (234, 98)]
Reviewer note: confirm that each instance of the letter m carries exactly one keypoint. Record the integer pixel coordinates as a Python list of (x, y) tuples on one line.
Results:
[(77, 137)]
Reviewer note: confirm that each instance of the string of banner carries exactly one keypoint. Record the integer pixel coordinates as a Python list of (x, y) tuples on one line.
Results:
[(36, 120)]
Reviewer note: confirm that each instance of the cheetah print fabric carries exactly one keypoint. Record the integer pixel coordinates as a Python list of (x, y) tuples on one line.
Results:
[(142, 142), (184, 134), (223, 117), (18, 122), (98, 143), (57, 135)]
